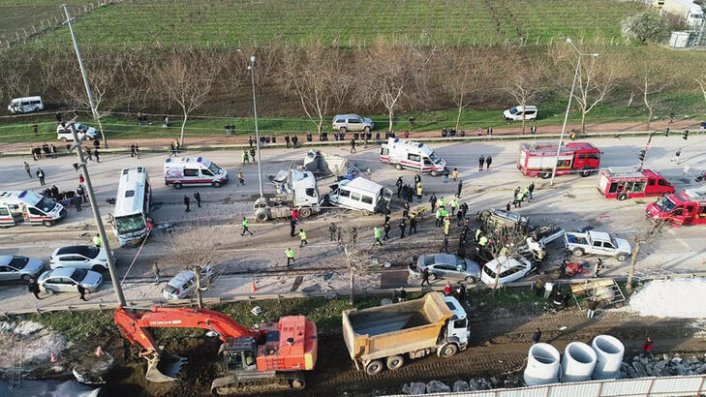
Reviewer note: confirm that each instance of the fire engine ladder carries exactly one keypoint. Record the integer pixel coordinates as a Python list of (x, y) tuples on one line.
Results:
[(16, 372)]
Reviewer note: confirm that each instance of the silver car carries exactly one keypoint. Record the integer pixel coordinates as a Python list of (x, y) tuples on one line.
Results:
[(66, 279), (83, 256), (447, 266), (15, 267), (352, 122)]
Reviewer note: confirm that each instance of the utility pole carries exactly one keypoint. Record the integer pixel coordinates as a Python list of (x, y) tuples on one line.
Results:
[(96, 215), (251, 67), (84, 75)]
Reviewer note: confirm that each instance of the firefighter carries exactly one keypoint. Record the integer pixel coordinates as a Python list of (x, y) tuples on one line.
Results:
[(246, 225), (290, 255), (378, 234)]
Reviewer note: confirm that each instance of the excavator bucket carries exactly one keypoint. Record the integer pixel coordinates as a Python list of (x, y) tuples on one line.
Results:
[(164, 368)]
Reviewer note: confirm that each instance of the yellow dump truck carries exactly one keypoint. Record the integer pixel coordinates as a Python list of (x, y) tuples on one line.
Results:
[(386, 336)]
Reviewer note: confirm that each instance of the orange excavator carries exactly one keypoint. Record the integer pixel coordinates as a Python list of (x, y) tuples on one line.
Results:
[(270, 354)]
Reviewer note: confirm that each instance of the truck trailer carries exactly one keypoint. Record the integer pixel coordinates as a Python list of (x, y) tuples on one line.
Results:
[(386, 336)]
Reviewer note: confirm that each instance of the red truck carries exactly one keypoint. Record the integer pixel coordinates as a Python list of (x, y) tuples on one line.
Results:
[(538, 159), (625, 183), (684, 208)]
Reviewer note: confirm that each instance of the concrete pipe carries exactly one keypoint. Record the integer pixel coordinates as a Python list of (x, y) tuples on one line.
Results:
[(543, 364), (609, 352), (578, 362)]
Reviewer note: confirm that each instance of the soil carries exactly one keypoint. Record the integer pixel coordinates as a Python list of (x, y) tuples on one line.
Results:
[(499, 345)]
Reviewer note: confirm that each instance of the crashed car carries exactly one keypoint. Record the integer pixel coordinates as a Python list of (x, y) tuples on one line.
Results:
[(446, 266)]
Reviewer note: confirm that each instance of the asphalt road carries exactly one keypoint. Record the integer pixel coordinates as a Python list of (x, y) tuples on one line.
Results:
[(572, 203)]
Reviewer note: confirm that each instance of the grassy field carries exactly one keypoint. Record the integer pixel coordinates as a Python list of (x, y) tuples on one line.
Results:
[(345, 22)]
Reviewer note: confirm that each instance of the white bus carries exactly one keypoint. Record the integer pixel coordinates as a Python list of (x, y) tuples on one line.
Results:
[(131, 221)]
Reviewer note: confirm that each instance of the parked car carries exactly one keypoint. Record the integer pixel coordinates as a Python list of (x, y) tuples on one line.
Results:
[(183, 285), (81, 256), (66, 279), (511, 269), (515, 113), (63, 133), (15, 267), (446, 266), (352, 122)]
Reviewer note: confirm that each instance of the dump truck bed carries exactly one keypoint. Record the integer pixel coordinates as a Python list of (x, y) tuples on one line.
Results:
[(394, 329)]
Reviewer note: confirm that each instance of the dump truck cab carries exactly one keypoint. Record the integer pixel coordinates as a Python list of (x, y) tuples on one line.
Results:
[(457, 328)]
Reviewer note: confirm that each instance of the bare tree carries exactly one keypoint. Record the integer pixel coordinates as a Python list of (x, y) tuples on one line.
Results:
[(701, 81), (187, 77), (524, 82), (385, 71), (648, 233), (649, 86), (315, 75)]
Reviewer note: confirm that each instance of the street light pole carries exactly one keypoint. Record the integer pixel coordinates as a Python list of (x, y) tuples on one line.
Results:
[(97, 216), (251, 67), (568, 107), (84, 75)]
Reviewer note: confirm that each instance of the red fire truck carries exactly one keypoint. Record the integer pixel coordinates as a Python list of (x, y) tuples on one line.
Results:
[(684, 208), (625, 183), (538, 159)]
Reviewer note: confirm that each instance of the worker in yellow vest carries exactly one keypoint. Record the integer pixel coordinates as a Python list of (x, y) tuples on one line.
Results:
[(290, 255)]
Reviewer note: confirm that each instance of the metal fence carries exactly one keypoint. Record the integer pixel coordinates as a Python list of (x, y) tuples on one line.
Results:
[(648, 387)]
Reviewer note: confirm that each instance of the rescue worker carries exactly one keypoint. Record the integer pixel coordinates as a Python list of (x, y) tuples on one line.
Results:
[(454, 205), (378, 234), (432, 201), (482, 241), (246, 226), (419, 191), (519, 198), (290, 255), (97, 241), (387, 228), (447, 226), (245, 157), (444, 212), (525, 193), (302, 237), (438, 217), (442, 202)]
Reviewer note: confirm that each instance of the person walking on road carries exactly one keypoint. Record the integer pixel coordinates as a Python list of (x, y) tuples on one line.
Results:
[(387, 228), (40, 175), (81, 192), (29, 172), (378, 234), (425, 277), (530, 191), (536, 336), (455, 175), (302, 237), (97, 154), (432, 202), (488, 162), (187, 203), (412, 224), (246, 227), (82, 292), (290, 256), (241, 177), (89, 154), (292, 226), (353, 145), (245, 157), (481, 161), (399, 182), (76, 201), (155, 272), (403, 227), (197, 196), (459, 188), (332, 232), (33, 287)]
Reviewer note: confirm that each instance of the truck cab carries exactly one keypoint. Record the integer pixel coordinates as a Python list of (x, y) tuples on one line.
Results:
[(685, 208), (457, 330), (625, 183)]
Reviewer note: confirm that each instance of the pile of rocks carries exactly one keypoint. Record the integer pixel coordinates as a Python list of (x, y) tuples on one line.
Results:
[(435, 386), (677, 365)]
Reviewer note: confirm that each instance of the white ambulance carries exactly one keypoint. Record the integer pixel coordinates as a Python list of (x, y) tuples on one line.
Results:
[(196, 171), (30, 207), (414, 155)]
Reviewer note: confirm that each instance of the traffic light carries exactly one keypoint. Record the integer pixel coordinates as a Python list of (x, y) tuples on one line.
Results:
[(643, 153), (686, 134)]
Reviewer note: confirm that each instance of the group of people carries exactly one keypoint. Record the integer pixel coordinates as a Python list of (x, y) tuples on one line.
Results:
[(45, 150), (248, 155), (519, 195)]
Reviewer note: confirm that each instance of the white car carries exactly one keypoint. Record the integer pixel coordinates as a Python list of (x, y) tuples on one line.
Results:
[(63, 133), (81, 256), (66, 279), (352, 122), (516, 113), (183, 285), (15, 267), (511, 269)]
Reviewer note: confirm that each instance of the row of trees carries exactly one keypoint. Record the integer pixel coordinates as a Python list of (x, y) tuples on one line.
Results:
[(320, 81)]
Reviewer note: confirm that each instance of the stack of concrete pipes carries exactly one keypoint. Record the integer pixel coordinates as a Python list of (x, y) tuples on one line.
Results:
[(581, 362)]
